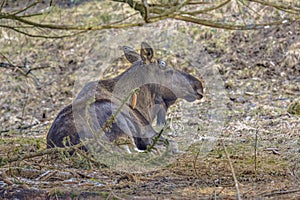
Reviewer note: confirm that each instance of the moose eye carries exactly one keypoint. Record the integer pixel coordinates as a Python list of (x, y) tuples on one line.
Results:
[(162, 64)]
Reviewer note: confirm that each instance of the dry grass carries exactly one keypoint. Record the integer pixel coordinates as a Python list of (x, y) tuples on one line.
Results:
[(260, 70)]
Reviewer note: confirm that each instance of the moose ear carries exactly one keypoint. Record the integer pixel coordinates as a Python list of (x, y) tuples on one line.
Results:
[(130, 54), (146, 52)]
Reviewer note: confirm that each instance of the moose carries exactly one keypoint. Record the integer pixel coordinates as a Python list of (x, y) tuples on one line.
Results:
[(159, 86)]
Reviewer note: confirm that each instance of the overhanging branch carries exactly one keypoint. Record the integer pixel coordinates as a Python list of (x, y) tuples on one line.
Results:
[(189, 11)]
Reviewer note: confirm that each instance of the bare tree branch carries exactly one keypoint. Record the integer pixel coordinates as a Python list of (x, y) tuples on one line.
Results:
[(26, 8), (215, 7), (196, 12), (228, 26), (282, 7), (2, 4)]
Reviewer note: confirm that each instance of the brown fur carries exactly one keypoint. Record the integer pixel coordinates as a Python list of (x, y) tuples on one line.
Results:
[(98, 100)]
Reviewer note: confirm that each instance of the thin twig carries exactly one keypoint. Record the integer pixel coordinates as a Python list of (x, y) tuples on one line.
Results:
[(26, 8), (23, 70), (229, 26), (156, 140), (255, 150), (5, 179), (36, 68), (112, 118), (215, 7), (194, 163), (236, 184), (68, 27), (19, 128), (41, 153), (280, 192), (284, 7), (241, 12), (41, 36), (2, 4), (123, 19)]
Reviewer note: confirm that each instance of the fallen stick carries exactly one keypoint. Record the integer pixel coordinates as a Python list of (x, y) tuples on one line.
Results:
[(236, 183)]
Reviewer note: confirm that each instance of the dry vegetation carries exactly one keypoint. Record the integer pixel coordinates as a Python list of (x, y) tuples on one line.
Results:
[(260, 70)]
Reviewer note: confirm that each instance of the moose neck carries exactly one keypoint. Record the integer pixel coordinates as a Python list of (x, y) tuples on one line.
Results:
[(153, 97)]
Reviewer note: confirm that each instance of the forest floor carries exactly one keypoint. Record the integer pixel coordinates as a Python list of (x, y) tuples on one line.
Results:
[(258, 132)]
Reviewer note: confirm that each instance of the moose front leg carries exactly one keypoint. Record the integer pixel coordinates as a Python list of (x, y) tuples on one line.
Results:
[(142, 143), (151, 141), (160, 111), (161, 117)]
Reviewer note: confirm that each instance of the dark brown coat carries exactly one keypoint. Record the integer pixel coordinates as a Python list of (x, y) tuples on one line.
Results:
[(159, 86)]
